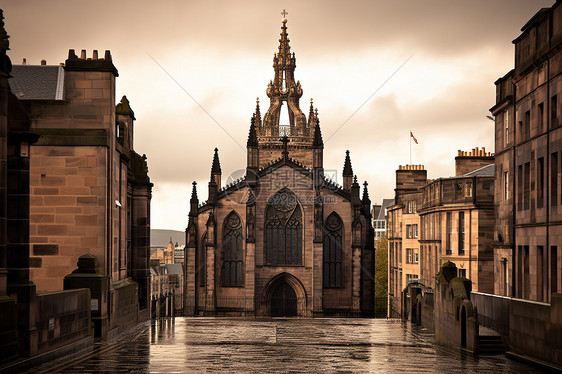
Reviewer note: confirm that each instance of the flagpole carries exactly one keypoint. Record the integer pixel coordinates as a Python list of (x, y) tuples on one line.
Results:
[(410, 136)]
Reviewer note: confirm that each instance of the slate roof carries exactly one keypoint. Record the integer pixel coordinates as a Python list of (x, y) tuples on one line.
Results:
[(37, 82), (385, 204), (485, 171)]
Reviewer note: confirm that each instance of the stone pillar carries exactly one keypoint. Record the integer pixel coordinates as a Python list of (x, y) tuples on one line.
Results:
[(356, 281), (89, 275), (317, 297), (250, 260), (17, 246), (210, 247), (140, 251), (8, 333), (189, 298)]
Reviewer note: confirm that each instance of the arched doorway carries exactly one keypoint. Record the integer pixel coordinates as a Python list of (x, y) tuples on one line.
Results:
[(283, 296), (283, 301)]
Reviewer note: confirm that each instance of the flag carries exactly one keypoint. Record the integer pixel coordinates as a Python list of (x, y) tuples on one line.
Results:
[(413, 137)]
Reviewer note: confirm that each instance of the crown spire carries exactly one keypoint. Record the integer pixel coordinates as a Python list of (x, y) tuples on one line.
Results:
[(284, 88)]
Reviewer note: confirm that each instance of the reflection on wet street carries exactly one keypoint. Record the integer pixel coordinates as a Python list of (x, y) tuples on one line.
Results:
[(277, 345)]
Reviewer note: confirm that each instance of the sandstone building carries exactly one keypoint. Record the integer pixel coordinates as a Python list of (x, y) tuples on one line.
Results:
[(447, 219), (284, 240), (89, 190), (528, 140)]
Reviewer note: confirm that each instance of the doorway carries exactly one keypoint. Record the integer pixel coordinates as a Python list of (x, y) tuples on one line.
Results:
[(284, 301)]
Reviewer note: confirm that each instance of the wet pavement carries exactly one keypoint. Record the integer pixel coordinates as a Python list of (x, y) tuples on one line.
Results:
[(194, 345)]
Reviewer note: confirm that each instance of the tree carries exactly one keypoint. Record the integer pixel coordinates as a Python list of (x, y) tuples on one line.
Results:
[(381, 276)]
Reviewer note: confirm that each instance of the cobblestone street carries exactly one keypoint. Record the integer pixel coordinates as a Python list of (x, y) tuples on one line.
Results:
[(278, 345)]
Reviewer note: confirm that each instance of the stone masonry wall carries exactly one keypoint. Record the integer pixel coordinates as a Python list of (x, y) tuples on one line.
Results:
[(68, 197)]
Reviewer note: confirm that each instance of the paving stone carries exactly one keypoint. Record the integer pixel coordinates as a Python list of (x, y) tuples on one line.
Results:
[(327, 345)]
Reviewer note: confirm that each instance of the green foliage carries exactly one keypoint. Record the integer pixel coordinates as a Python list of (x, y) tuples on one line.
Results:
[(381, 276)]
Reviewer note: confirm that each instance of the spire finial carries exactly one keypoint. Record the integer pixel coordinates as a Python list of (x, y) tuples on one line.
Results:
[(284, 14)]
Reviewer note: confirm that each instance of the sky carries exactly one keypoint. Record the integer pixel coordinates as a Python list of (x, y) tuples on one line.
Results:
[(192, 71)]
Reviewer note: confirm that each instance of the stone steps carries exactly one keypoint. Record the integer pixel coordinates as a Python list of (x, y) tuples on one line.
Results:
[(490, 345)]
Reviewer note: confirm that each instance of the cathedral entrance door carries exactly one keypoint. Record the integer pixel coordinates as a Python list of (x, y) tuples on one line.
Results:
[(284, 301)]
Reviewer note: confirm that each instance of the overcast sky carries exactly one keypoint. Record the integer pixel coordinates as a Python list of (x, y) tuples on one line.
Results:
[(174, 56)]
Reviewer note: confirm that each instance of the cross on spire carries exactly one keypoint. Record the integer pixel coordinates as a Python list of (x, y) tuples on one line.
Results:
[(284, 13)]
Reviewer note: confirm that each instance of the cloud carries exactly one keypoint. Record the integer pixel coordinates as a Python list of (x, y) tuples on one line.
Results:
[(221, 55)]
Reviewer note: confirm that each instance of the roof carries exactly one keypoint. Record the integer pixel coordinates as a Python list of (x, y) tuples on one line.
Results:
[(385, 204), (37, 82), (485, 171), (174, 269)]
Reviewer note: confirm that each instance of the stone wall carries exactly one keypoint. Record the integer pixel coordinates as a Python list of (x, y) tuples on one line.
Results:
[(531, 329), (68, 201), (64, 318), (125, 300)]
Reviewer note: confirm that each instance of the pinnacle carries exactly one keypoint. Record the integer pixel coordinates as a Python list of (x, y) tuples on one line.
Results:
[(194, 192), (216, 168), (252, 137), (365, 193), (317, 142), (347, 169)]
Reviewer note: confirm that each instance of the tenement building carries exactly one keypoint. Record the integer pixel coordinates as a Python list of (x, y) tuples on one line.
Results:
[(528, 197), (89, 190), (284, 240), (435, 221)]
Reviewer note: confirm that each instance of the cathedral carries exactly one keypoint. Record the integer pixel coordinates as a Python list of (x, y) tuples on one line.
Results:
[(284, 240)]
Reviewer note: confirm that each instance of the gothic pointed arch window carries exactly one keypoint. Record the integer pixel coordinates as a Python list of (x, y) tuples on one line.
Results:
[(233, 252), (332, 252), (283, 229)]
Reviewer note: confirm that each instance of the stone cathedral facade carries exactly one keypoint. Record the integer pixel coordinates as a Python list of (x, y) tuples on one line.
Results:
[(284, 240)]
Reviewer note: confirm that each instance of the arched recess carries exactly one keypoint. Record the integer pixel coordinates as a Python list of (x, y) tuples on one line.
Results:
[(283, 229), (332, 251), (273, 285), (233, 251)]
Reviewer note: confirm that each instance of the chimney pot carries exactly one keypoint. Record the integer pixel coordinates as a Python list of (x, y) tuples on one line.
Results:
[(95, 54), (107, 55), (83, 54), (71, 54), (24, 62), (43, 62)]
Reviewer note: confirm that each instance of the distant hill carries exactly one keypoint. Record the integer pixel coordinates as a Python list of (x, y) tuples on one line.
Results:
[(159, 237)]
